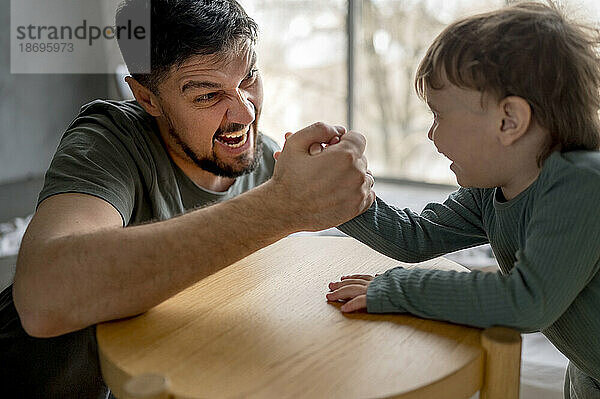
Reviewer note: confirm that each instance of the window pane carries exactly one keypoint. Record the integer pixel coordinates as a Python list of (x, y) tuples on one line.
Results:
[(392, 37), (302, 57)]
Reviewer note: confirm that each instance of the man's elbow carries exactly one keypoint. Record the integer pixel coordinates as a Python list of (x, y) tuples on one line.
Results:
[(32, 319), (34, 314)]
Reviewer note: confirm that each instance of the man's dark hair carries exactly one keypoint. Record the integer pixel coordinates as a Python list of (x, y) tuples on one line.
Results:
[(180, 29)]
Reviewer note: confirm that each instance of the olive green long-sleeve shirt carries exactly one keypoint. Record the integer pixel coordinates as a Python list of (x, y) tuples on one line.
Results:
[(546, 241)]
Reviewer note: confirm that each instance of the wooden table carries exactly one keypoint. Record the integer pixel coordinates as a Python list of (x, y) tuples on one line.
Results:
[(263, 328)]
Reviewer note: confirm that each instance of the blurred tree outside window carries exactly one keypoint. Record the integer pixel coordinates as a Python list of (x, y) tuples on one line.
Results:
[(303, 57)]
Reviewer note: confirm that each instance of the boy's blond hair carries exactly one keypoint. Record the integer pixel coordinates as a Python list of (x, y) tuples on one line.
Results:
[(528, 50)]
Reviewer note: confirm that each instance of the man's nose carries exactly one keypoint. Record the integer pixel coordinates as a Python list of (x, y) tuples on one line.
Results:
[(241, 110)]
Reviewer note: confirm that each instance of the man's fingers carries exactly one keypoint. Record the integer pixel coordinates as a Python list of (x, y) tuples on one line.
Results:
[(334, 140), (315, 148), (341, 129), (354, 139), (347, 292), (358, 303)]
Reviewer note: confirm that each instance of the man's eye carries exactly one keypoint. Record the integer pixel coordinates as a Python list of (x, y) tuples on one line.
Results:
[(205, 97)]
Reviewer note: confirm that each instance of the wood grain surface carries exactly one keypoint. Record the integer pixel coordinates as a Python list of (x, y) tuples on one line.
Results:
[(263, 328)]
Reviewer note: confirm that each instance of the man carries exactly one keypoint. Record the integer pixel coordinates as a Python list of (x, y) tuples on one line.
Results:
[(116, 233)]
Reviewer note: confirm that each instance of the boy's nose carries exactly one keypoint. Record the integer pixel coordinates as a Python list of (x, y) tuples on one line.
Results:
[(430, 133), (241, 111)]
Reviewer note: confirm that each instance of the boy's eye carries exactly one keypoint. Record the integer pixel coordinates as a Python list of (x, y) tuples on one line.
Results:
[(251, 75)]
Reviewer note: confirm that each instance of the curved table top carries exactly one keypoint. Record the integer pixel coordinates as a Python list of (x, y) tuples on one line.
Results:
[(263, 328)]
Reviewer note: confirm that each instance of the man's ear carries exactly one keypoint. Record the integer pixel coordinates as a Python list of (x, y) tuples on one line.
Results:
[(516, 119), (144, 96)]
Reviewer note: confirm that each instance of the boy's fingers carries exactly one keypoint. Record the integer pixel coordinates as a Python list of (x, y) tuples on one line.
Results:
[(361, 276), (358, 303), (276, 155), (347, 292), (339, 284), (315, 133)]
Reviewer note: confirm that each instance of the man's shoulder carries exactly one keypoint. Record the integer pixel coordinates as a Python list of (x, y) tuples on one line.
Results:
[(269, 145), (123, 116), (104, 107), (110, 121)]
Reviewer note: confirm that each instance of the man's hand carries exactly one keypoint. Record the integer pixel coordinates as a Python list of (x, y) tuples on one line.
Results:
[(352, 289), (322, 185)]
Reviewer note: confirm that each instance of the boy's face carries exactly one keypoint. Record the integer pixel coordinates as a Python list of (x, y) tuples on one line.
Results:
[(465, 130)]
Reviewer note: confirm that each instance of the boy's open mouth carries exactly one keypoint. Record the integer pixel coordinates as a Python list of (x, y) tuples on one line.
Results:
[(233, 140)]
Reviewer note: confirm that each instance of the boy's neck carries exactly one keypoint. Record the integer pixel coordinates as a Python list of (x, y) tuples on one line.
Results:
[(521, 163), (519, 184)]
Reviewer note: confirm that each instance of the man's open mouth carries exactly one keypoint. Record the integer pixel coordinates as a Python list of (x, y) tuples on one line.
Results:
[(233, 140)]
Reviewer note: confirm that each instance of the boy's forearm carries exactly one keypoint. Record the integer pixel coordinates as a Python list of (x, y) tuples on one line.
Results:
[(121, 272)]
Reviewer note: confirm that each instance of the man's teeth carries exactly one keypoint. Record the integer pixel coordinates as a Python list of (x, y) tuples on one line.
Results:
[(233, 135), (242, 136), (241, 143)]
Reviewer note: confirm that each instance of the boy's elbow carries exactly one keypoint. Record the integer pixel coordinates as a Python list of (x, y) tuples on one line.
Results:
[(535, 317)]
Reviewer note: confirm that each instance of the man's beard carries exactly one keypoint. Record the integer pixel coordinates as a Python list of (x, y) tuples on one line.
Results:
[(241, 165)]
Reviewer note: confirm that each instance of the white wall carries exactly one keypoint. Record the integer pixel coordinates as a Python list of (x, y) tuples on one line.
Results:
[(35, 109)]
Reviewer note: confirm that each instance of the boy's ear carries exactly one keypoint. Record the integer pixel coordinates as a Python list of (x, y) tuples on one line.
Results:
[(144, 96), (516, 118)]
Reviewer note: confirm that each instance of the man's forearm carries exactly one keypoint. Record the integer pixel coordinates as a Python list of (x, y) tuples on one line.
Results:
[(120, 272), (89, 274)]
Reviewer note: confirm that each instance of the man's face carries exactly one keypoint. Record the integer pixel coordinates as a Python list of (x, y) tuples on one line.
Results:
[(210, 109), (466, 133)]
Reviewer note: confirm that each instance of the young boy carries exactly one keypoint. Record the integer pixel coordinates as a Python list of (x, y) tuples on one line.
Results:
[(515, 99)]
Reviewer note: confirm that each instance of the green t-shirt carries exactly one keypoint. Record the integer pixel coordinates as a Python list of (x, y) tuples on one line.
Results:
[(546, 243), (111, 150)]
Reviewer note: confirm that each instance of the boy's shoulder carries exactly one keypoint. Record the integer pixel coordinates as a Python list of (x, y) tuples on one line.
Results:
[(578, 162), (569, 172)]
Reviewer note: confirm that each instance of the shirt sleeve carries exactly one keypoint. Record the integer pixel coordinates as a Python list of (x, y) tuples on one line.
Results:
[(90, 160), (560, 257), (410, 237)]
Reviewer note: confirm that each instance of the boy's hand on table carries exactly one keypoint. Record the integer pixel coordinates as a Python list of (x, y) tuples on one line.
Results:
[(352, 289)]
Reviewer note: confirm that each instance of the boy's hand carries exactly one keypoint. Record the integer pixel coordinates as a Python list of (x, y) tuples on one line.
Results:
[(352, 289), (315, 148)]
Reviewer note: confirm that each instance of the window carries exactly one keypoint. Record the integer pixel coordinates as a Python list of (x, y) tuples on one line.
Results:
[(304, 52)]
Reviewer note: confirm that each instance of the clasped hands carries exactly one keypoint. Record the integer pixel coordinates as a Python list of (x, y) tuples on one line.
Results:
[(350, 289)]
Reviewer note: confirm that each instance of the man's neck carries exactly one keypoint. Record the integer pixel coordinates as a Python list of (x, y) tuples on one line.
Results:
[(201, 177)]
